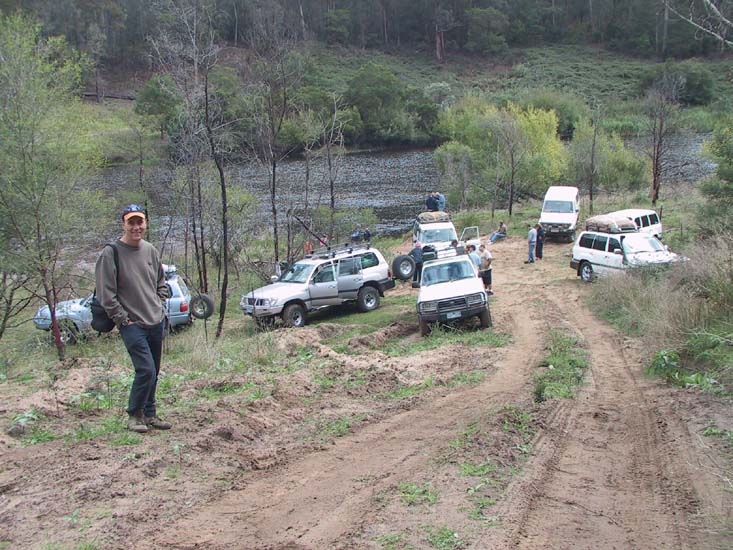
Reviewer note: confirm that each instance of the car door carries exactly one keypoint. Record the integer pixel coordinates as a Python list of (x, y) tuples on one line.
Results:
[(601, 259), (322, 288), (614, 261), (349, 278), (471, 235)]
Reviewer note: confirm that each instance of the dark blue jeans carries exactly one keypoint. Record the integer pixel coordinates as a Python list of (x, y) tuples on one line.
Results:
[(145, 346)]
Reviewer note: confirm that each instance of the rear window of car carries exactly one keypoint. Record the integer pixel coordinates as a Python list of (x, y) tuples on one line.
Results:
[(182, 285), (369, 260), (599, 243), (348, 266), (586, 241)]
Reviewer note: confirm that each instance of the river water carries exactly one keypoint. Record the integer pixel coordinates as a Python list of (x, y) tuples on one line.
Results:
[(394, 184)]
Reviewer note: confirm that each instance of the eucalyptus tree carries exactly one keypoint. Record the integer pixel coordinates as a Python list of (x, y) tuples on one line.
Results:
[(711, 17), (46, 213), (187, 52), (661, 108)]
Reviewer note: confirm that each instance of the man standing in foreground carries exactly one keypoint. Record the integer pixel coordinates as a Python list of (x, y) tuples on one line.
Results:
[(531, 242), (133, 295)]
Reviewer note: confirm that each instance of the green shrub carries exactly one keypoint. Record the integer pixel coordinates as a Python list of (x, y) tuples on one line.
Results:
[(698, 83), (569, 108)]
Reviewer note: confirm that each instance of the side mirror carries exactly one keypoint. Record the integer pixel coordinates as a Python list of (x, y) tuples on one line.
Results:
[(415, 284), (619, 252), (274, 279)]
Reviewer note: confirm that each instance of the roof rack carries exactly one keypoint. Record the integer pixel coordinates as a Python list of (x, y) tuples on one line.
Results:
[(326, 252)]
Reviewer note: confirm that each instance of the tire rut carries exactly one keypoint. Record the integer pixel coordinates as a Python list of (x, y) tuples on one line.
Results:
[(315, 501)]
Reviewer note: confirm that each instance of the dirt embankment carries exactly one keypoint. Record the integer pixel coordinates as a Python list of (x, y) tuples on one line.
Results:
[(469, 460)]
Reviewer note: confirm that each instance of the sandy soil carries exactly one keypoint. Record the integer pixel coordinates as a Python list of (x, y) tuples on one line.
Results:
[(623, 465)]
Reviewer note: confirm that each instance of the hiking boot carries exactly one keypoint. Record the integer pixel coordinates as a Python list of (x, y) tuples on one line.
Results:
[(136, 423), (155, 422)]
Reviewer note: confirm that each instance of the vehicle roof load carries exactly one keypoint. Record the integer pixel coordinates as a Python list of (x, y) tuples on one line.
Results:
[(610, 224), (433, 217), (332, 251)]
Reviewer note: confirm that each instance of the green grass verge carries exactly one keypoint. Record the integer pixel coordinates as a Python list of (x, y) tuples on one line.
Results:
[(562, 370)]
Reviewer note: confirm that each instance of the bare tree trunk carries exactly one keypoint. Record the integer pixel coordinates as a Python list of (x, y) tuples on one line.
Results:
[(216, 155), (273, 206), (592, 165)]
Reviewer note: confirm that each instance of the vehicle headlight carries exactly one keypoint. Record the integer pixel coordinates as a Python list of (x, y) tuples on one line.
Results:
[(426, 307), (476, 299)]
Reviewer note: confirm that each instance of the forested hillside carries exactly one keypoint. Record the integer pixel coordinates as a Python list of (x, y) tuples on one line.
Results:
[(116, 31)]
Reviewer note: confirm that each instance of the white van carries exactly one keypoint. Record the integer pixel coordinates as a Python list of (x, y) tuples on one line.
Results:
[(560, 212), (647, 221)]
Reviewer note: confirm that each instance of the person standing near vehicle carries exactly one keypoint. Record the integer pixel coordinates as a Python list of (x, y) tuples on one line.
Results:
[(416, 254), (531, 242), (133, 294), (471, 249), (441, 201), (431, 203), (485, 268), (540, 241)]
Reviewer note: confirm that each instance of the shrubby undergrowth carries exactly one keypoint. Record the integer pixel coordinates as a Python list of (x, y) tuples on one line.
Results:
[(686, 312)]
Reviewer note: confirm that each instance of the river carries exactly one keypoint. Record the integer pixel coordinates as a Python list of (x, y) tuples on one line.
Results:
[(394, 184)]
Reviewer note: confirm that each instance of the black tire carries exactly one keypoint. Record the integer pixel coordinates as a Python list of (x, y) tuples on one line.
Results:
[(202, 306), (424, 328), (485, 318), (367, 299), (403, 267), (586, 272), (294, 316), (265, 323), (69, 332)]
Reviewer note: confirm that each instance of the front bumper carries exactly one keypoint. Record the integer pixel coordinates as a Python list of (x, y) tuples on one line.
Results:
[(452, 315), (261, 311), (558, 231)]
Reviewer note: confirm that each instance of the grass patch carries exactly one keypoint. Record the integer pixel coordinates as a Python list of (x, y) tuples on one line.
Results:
[(469, 469), (394, 541), (409, 391), (467, 378), (444, 538), (414, 494), (38, 435), (441, 337), (562, 370), (339, 427)]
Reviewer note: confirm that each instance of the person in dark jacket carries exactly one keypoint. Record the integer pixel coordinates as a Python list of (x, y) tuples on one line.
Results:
[(431, 203), (540, 241), (416, 254)]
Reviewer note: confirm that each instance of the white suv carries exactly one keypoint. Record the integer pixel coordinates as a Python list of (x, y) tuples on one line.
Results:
[(325, 278), (435, 231), (647, 221), (450, 289), (599, 253)]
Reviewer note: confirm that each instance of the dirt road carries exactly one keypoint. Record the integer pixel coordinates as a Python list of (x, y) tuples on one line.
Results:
[(460, 465), (609, 469)]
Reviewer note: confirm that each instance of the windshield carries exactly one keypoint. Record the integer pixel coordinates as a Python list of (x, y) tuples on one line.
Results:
[(438, 235), (444, 273), (634, 244), (558, 207), (298, 273)]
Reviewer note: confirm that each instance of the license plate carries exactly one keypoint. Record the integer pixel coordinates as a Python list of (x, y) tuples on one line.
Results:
[(554, 229), (453, 315)]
